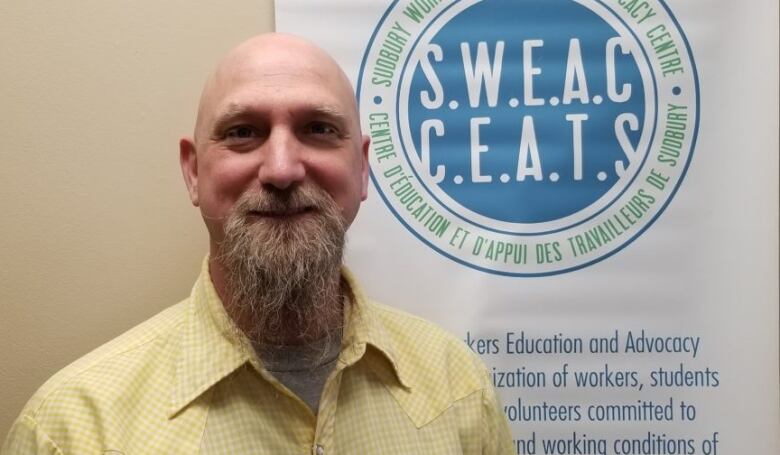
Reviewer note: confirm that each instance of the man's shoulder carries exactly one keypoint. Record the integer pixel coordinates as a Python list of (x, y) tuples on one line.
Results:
[(402, 326), (108, 371), (431, 358)]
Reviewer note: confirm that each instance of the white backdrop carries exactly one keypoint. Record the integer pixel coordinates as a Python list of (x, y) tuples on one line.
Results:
[(699, 275)]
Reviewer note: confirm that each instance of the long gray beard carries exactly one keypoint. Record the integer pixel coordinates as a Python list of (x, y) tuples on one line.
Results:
[(283, 274)]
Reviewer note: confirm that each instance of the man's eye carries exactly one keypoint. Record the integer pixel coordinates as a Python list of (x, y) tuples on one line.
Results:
[(318, 128), (240, 133)]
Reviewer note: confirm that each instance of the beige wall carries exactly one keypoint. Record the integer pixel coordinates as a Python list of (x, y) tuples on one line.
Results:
[(97, 230)]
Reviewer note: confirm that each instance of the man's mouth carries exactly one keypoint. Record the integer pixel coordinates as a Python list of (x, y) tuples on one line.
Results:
[(281, 214)]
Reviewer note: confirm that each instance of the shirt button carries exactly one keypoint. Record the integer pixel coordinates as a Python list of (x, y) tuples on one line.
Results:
[(320, 450)]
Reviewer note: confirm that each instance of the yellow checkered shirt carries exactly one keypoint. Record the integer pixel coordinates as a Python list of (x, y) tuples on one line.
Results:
[(184, 382)]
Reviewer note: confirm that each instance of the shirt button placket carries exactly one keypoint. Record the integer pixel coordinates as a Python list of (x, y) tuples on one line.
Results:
[(319, 450)]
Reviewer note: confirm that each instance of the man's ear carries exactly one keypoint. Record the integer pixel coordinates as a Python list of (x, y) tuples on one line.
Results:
[(364, 160), (189, 167)]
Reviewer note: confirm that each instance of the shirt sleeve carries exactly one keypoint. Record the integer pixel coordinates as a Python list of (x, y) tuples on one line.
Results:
[(27, 438)]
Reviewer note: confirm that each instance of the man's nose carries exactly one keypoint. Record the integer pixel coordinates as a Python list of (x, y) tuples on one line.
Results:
[(281, 165)]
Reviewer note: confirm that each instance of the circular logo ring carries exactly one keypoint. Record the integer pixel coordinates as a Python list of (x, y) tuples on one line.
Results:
[(528, 138)]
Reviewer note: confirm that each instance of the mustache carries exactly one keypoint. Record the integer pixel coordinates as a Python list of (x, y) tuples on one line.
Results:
[(272, 202)]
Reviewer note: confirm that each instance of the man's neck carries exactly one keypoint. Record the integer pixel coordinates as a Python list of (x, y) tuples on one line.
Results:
[(218, 278)]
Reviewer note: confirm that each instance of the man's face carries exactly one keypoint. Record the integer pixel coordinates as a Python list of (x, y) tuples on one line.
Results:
[(275, 116)]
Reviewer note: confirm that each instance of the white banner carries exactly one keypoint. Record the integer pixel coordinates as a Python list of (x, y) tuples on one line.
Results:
[(585, 191)]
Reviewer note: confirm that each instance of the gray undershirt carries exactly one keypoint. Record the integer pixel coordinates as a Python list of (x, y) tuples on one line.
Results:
[(304, 369)]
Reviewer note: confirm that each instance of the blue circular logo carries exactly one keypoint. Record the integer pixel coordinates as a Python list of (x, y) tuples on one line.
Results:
[(528, 137)]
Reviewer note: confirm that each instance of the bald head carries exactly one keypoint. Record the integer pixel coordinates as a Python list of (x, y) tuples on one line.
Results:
[(273, 56)]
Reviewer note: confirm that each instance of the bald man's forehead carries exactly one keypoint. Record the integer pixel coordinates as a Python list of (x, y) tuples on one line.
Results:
[(283, 81), (312, 80), (282, 74)]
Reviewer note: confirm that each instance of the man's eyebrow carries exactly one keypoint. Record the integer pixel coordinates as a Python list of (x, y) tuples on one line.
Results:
[(329, 112), (231, 112), (236, 110)]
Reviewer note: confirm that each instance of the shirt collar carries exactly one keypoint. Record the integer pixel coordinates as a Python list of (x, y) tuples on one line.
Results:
[(364, 328), (211, 347)]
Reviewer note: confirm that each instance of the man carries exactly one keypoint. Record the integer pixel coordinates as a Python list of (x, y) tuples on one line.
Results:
[(277, 350)]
